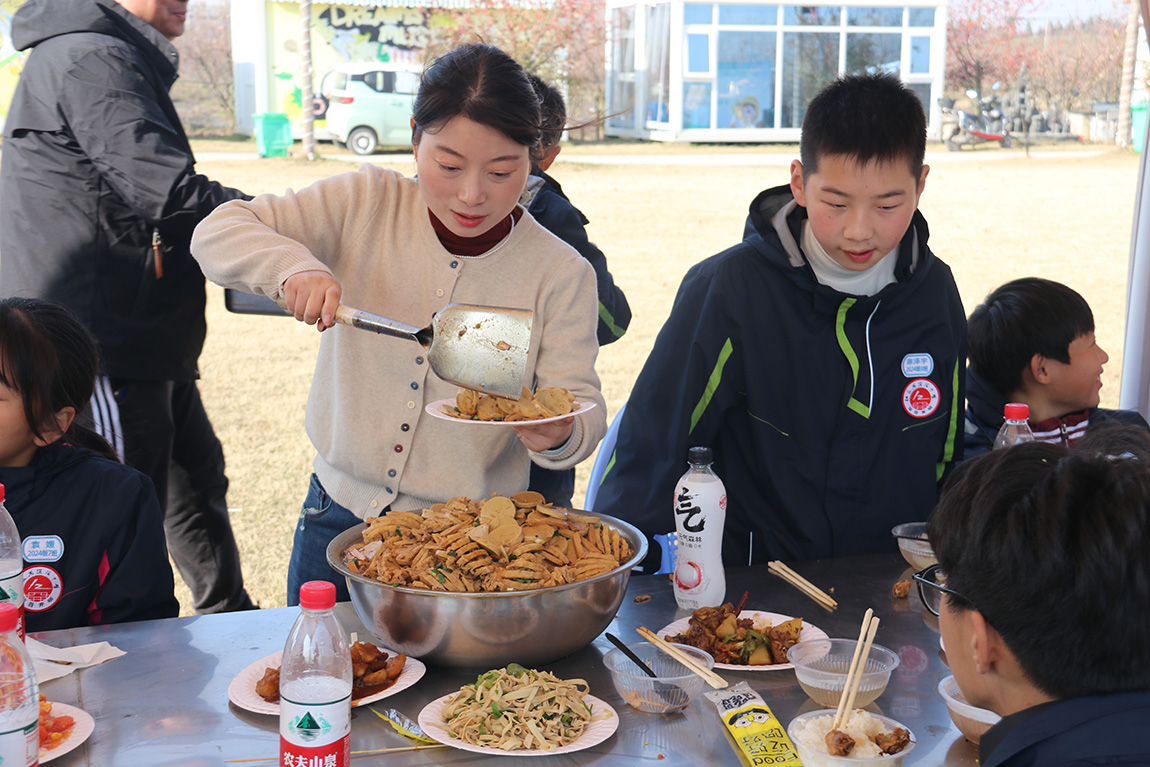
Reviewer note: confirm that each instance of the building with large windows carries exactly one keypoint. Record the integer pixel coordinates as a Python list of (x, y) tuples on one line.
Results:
[(745, 71)]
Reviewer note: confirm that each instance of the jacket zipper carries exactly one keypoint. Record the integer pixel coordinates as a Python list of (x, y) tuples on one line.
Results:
[(158, 257)]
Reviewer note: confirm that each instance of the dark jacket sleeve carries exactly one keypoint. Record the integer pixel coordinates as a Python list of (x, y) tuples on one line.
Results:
[(677, 402), (555, 212), (117, 114), (139, 584)]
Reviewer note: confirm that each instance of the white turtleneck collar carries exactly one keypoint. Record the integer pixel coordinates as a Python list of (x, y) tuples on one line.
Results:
[(830, 273)]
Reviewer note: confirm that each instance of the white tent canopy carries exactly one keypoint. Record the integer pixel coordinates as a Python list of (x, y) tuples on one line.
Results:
[(1136, 350)]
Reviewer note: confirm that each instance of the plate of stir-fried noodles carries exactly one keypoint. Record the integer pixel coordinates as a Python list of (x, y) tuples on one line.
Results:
[(515, 711)]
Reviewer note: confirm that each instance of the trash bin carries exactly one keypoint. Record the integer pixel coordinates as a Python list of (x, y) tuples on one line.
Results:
[(273, 134), (1138, 125)]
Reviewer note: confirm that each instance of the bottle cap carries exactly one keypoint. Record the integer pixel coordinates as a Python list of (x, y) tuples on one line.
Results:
[(1017, 411), (700, 455), (317, 595), (9, 616), (1, 493)]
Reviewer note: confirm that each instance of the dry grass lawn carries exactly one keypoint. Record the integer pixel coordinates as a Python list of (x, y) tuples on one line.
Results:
[(1063, 213)]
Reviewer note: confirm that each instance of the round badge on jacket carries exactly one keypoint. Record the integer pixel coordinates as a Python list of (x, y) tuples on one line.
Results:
[(42, 588), (921, 398)]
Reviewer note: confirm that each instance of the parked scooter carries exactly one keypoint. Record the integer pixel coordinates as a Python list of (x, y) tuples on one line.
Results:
[(961, 128)]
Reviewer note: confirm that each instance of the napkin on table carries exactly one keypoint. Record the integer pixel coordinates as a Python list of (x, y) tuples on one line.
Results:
[(54, 662)]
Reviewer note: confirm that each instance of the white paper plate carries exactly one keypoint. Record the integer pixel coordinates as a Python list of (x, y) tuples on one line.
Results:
[(84, 726), (433, 410), (431, 720), (809, 631), (242, 690)]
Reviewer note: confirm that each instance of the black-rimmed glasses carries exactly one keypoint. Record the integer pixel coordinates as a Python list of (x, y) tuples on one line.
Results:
[(932, 585)]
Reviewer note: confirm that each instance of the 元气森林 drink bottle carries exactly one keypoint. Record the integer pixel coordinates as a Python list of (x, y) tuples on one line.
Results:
[(700, 511), (11, 564), (315, 684), (1016, 428), (19, 695)]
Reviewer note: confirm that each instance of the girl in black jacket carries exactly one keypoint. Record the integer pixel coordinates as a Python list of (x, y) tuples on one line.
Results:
[(91, 527)]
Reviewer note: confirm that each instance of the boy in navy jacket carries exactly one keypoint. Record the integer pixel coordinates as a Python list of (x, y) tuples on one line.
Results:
[(546, 202), (1032, 341), (1046, 552), (822, 359)]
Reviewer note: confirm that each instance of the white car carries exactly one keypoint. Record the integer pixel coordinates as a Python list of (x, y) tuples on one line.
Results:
[(370, 105)]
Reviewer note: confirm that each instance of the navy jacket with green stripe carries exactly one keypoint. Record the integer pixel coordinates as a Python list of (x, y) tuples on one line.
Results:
[(832, 417)]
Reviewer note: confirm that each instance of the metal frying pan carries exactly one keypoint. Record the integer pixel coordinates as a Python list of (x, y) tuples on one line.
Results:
[(477, 347)]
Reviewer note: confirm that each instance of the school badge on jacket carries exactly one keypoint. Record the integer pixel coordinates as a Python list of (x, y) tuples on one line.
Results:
[(921, 396), (42, 588)]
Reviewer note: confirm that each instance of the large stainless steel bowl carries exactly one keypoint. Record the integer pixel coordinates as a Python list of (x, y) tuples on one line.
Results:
[(489, 630)]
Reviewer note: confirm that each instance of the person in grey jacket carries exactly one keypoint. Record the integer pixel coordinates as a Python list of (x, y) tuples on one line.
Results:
[(99, 195)]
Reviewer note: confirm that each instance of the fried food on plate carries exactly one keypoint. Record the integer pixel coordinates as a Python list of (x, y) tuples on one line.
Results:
[(372, 671), (548, 402)]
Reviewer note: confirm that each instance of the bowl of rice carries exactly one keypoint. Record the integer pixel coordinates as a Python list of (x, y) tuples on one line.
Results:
[(971, 721), (808, 732)]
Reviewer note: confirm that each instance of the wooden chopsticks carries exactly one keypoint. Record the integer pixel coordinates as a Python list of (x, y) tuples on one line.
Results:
[(823, 599), (857, 668), (710, 677)]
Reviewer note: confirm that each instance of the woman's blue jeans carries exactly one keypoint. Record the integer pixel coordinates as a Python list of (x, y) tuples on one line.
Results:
[(320, 520)]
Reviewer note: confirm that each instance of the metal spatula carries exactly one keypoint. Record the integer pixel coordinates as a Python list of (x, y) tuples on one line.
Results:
[(477, 347)]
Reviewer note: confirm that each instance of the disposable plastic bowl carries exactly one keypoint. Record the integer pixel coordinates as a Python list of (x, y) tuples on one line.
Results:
[(916, 549), (821, 666), (673, 687), (971, 721), (813, 756)]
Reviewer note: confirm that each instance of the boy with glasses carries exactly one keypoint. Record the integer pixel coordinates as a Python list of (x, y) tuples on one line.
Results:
[(1044, 606)]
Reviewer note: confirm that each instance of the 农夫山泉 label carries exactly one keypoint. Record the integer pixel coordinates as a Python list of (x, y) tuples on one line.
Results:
[(315, 734)]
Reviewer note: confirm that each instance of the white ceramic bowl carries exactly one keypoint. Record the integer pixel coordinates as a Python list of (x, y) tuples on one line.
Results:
[(970, 720), (815, 757), (673, 687), (916, 549)]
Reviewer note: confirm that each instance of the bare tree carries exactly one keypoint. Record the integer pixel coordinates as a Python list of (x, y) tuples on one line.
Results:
[(206, 88), (562, 41), (1129, 58), (982, 42)]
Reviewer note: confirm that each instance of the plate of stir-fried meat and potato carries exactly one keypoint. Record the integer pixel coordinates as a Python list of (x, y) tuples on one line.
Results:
[(376, 674), (753, 640)]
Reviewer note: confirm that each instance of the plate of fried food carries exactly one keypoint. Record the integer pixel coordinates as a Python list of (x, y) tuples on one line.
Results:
[(62, 728), (376, 674), (549, 403), (753, 640), (516, 711)]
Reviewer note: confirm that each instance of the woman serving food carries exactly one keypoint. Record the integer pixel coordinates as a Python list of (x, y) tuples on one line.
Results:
[(407, 248)]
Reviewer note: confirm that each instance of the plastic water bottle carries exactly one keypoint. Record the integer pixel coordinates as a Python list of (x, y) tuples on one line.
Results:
[(11, 564), (19, 695), (315, 684), (700, 511), (1016, 429)]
